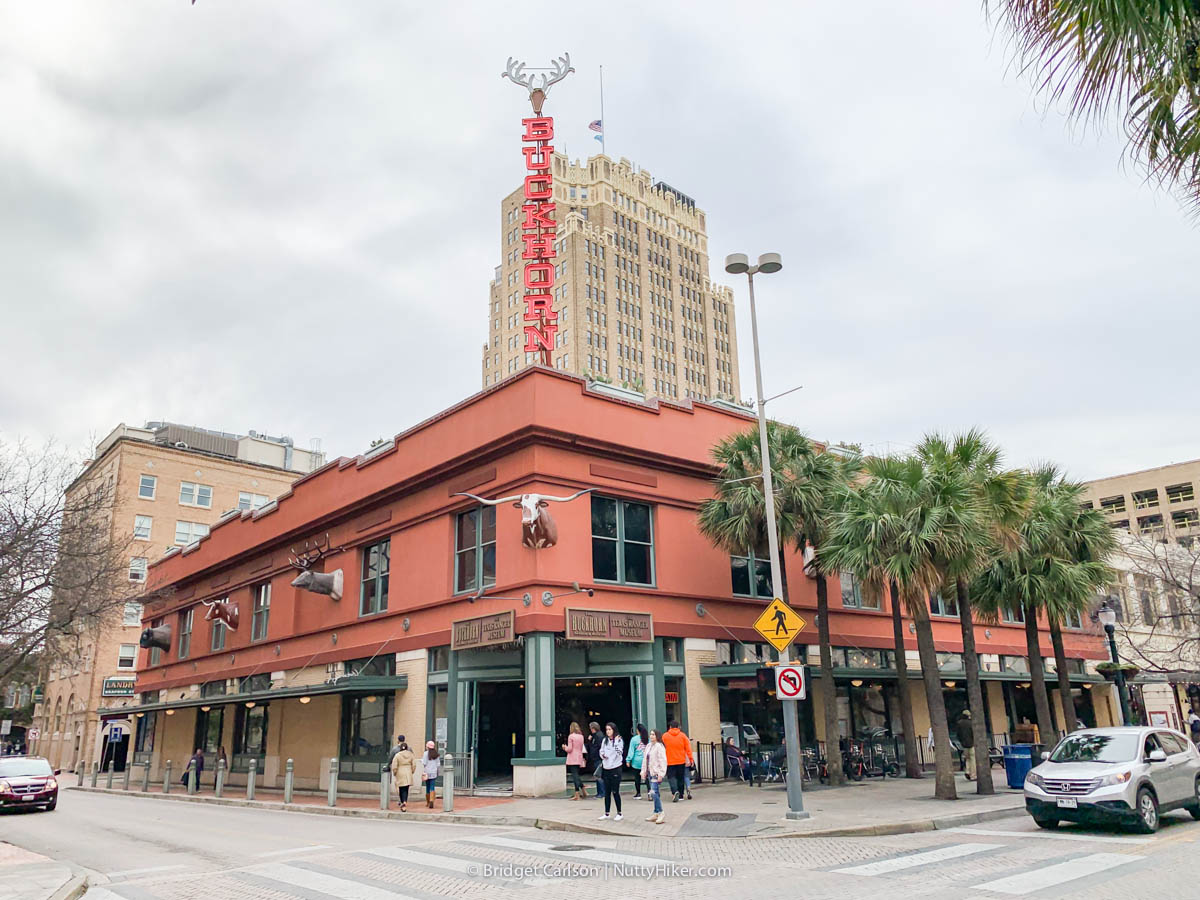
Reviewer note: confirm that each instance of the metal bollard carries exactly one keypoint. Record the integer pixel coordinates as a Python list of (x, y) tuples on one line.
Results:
[(448, 783), (251, 777), (125, 777), (289, 779), (219, 787), (192, 777), (385, 786), (146, 778), (109, 775), (95, 773), (167, 778), (82, 773), (333, 777)]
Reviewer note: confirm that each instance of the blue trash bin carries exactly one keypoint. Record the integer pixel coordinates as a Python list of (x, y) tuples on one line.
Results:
[(1018, 760)]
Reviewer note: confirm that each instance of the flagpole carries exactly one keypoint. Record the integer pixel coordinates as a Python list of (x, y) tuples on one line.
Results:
[(603, 124)]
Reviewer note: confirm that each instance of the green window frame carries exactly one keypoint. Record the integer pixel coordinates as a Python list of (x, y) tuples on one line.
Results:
[(184, 647), (261, 614), (155, 652), (853, 595), (217, 635), (376, 563), (751, 575), (475, 549), (622, 541), (209, 726), (1013, 615), (249, 734), (942, 606)]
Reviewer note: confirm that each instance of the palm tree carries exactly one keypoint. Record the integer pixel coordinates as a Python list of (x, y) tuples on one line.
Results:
[(806, 483), (1140, 56), (1002, 497), (898, 527)]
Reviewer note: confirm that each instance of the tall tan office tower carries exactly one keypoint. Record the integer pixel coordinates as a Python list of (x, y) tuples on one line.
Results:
[(635, 303)]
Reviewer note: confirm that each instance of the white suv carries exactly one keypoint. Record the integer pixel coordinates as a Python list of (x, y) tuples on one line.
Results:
[(1128, 775)]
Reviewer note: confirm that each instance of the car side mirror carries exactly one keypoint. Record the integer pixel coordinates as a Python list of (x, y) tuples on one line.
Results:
[(1045, 754), (1157, 755)]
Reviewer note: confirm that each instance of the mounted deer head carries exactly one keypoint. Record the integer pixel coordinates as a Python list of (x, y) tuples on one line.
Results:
[(328, 583), (538, 85), (538, 528)]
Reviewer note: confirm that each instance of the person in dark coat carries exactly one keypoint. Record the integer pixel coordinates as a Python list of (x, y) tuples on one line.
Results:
[(198, 759), (964, 730), (595, 739)]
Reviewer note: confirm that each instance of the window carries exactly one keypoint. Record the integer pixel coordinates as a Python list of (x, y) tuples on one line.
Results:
[(192, 494), (1151, 525), (216, 637), (1114, 597), (147, 487), (622, 541), (132, 614), (141, 527), (261, 612), (127, 656), (137, 568), (751, 575), (1185, 519), (374, 595), (189, 532), (1180, 493), (250, 731), (208, 731), (381, 665), (143, 741), (940, 606), (852, 596), (213, 688), (1013, 615), (1146, 591), (247, 500), (367, 726), (475, 549), (1113, 504), (1145, 499), (185, 633), (155, 652), (1016, 664)]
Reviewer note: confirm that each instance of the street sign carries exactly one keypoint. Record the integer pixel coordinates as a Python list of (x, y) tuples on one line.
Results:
[(790, 683), (33, 734), (6, 726), (779, 624)]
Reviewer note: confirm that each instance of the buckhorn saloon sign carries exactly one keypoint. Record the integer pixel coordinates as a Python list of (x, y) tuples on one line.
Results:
[(609, 625), (539, 230), (482, 631)]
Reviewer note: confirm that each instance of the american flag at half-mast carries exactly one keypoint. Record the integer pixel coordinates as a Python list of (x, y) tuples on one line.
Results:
[(598, 127)]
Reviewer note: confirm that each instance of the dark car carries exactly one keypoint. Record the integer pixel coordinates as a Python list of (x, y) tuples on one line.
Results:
[(27, 781)]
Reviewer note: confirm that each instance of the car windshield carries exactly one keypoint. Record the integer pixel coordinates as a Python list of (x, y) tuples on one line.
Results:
[(1102, 748), (16, 768)]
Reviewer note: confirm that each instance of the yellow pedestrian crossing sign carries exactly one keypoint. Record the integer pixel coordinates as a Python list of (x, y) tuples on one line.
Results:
[(779, 624)]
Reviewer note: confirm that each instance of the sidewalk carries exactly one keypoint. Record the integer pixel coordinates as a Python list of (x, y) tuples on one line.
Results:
[(871, 807), (31, 876)]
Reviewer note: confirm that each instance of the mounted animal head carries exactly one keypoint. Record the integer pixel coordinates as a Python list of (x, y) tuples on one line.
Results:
[(537, 526), (328, 583), (222, 611), (157, 637)]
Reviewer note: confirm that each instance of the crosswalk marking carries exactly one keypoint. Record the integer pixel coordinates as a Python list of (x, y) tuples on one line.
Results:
[(294, 850), (421, 858), (1049, 876), (600, 856), (343, 888), (1053, 836), (897, 863), (127, 872)]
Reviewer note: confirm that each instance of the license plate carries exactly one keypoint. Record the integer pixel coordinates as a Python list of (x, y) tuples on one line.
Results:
[(29, 799), (1068, 803)]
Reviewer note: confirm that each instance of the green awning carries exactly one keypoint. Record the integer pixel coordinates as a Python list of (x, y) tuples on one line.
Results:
[(344, 685)]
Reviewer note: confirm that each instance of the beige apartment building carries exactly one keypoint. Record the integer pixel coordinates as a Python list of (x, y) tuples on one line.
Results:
[(1155, 513), (635, 303), (170, 484)]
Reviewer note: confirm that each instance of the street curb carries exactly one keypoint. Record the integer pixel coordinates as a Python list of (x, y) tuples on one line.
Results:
[(913, 826), (887, 828), (73, 889)]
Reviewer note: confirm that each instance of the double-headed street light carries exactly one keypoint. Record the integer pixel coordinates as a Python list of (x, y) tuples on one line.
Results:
[(768, 263), (1108, 618)]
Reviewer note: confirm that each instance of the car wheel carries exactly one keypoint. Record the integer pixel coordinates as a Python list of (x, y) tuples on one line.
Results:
[(1147, 812), (1048, 824), (1194, 809)]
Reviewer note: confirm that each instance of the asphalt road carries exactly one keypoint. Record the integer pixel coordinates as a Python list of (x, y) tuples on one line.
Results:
[(145, 849)]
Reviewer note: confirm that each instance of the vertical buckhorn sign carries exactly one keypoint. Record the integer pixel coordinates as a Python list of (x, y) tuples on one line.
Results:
[(539, 229)]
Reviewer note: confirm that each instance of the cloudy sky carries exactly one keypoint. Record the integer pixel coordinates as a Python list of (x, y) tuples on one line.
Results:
[(283, 215)]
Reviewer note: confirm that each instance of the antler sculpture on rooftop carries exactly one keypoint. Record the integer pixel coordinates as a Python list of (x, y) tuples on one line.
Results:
[(538, 85)]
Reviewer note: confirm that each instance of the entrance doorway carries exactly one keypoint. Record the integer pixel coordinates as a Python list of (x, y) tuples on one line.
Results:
[(587, 700), (499, 729)]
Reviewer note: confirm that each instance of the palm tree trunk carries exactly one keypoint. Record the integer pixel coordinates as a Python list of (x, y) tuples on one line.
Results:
[(1070, 723), (1037, 677), (912, 766), (983, 768), (943, 760), (828, 688)]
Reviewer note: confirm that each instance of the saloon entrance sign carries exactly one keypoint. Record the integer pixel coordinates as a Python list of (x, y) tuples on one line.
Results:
[(539, 229)]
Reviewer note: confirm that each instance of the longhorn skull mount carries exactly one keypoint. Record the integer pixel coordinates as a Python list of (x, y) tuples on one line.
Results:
[(328, 583), (538, 529), (222, 611), (538, 85)]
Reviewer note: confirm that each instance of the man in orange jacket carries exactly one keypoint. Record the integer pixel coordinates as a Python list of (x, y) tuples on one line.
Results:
[(679, 756)]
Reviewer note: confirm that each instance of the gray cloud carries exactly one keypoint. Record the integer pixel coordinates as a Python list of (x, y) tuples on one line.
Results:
[(196, 201)]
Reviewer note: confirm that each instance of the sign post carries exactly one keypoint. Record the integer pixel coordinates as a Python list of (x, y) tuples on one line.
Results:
[(779, 625)]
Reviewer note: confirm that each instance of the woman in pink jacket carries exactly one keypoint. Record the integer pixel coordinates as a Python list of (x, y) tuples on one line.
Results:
[(575, 752)]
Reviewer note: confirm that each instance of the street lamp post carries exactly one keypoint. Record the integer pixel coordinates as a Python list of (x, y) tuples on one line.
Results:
[(736, 264), (1108, 618)]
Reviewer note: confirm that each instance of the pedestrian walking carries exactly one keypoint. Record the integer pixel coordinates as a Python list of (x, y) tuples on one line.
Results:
[(198, 759), (612, 758), (654, 770), (595, 739), (395, 748), (431, 764), (637, 744), (679, 757), (964, 730), (575, 753), (404, 766)]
